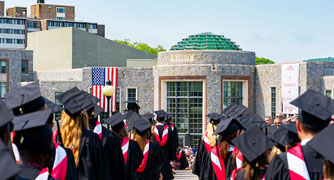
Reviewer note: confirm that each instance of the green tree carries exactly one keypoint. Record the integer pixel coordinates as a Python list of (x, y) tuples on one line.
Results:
[(259, 60), (142, 46)]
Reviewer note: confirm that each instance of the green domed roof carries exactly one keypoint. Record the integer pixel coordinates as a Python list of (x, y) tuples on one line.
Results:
[(206, 41)]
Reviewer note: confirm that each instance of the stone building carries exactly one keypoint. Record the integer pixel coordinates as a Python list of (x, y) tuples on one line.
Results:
[(15, 66), (201, 74)]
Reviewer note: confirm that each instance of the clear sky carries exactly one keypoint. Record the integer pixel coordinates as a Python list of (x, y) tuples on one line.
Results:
[(284, 30)]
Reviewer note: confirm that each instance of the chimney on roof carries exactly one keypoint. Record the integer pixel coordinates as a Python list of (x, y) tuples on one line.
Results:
[(40, 1)]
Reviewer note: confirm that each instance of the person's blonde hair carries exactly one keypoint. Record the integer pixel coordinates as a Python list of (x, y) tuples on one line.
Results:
[(212, 138), (328, 169), (274, 152), (71, 131), (140, 139)]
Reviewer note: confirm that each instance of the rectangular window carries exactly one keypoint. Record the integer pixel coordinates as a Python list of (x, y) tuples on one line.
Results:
[(329, 93), (58, 114), (3, 89), (60, 10), (61, 18), (24, 67), (3, 67), (132, 94), (232, 93), (273, 102), (184, 103)]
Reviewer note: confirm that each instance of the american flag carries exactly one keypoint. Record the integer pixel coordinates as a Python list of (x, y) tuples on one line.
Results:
[(100, 76)]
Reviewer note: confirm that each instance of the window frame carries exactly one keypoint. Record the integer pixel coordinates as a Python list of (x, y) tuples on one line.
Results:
[(63, 8), (27, 68), (127, 92), (273, 110)]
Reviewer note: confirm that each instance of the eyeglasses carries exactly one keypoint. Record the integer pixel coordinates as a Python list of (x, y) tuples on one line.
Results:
[(279, 116)]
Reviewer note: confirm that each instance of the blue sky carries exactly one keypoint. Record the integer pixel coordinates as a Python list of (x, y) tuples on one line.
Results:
[(285, 30)]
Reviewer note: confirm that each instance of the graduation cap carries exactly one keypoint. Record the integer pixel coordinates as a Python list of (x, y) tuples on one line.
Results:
[(315, 109), (161, 115), (73, 101), (141, 125), (32, 132), (132, 104), (148, 116), (323, 143), (6, 116), (253, 143), (97, 110), (131, 117), (8, 166), (252, 120), (214, 118), (53, 106), (234, 111), (271, 129), (286, 136), (90, 101), (116, 122), (227, 127), (25, 99)]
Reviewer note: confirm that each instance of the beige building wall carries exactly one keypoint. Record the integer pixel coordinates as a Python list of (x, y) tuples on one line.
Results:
[(60, 41), (141, 62)]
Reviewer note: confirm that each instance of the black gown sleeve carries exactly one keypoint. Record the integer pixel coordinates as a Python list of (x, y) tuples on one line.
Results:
[(198, 159), (97, 158), (137, 154), (277, 169), (71, 172)]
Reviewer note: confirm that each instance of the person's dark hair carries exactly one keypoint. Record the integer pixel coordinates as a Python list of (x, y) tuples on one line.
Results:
[(3, 130), (253, 169), (328, 170)]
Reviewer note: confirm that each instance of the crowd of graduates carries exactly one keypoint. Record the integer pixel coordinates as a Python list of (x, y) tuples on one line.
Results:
[(79, 146), (237, 143)]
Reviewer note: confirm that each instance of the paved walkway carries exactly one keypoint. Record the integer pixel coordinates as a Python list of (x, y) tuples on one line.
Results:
[(185, 175)]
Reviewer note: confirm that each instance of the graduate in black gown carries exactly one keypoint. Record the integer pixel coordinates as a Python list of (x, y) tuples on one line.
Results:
[(254, 145), (33, 138), (315, 111), (6, 124), (85, 145), (165, 141), (71, 172), (130, 156), (150, 167), (175, 135), (323, 144), (202, 165), (28, 99), (181, 160), (8, 167), (227, 130)]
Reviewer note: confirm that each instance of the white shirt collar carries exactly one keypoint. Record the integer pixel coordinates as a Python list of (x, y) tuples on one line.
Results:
[(305, 141), (231, 148), (160, 124)]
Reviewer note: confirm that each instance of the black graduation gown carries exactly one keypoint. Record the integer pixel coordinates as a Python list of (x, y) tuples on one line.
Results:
[(278, 168), (29, 172), (92, 161), (168, 153), (230, 164), (107, 145), (203, 166), (182, 161), (241, 174), (135, 156), (153, 166), (175, 143), (117, 169)]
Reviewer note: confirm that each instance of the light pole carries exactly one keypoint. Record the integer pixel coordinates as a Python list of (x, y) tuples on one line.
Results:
[(108, 91)]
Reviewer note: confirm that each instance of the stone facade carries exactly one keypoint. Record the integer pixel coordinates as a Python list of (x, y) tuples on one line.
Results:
[(14, 59), (311, 76)]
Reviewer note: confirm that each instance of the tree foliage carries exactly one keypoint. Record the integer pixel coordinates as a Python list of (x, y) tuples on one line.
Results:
[(259, 60), (142, 46)]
